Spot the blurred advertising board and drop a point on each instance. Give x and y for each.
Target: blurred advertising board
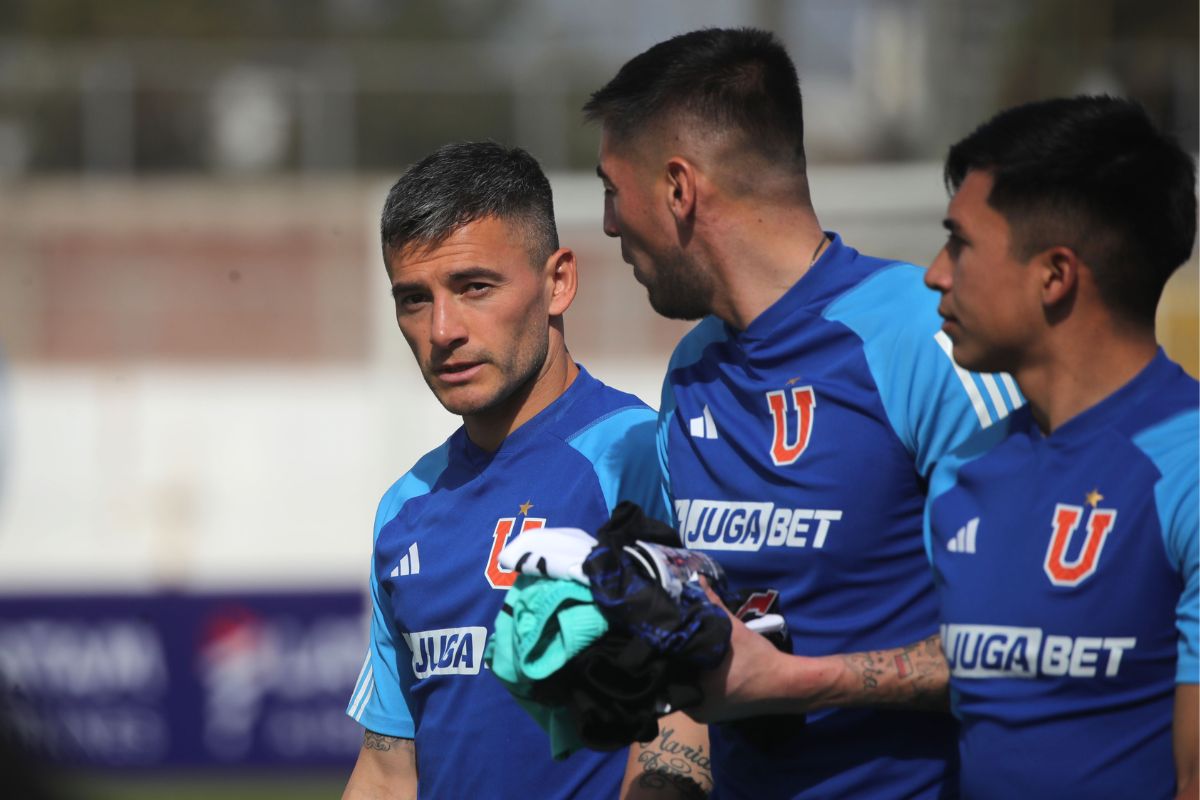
(184, 679)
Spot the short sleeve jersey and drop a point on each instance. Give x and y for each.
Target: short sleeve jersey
(1066, 568)
(796, 453)
(437, 587)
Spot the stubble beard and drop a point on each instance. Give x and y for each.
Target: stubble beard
(678, 290)
(518, 374)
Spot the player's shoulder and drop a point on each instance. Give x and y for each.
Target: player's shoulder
(1164, 419)
(609, 439)
(887, 306)
(1170, 442)
(418, 481)
(601, 416)
(983, 443)
(1167, 436)
(607, 398)
(889, 295)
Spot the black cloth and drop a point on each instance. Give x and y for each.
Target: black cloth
(656, 647)
(613, 690)
(691, 632)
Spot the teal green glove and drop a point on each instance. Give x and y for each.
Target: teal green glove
(544, 623)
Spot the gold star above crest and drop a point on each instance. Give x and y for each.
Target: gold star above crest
(525, 507)
(1094, 497)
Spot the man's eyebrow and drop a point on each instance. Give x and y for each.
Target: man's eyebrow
(404, 287)
(600, 173)
(475, 273)
(464, 275)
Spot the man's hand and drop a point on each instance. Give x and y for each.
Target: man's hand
(749, 681)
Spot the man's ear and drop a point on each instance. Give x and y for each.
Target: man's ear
(681, 188)
(1059, 273)
(562, 279)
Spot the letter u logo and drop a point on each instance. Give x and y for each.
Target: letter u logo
(1066, 519)
(498, 576)
(785, 449)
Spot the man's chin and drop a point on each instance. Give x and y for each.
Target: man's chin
(671, 307)
(976, 360)
(463, 403)
(459, 400)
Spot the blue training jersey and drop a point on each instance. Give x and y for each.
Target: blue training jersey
(796, 452)
(1066, 567)
(437, 587)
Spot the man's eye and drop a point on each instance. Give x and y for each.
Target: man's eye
(410, 302)
(954, 244)
(477, 288)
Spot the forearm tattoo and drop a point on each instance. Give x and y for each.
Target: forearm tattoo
(377, 741)
(668, 763)
(914, 676)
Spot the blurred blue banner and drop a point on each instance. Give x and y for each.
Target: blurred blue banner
(184, 680)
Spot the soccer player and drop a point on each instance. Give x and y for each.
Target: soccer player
(1064, 540)
(480, 285)
(799, 423)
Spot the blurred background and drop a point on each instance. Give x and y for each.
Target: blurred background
(202, 390)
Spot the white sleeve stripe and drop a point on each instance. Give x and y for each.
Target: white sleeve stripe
(363, 692)
(976, 398)
(363, 671)
(366, 701)
(993, 390)
(1011, 387)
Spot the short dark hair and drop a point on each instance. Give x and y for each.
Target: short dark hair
(1092, 173)
(467, 181)
(720, 79)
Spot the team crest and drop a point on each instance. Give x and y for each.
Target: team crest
(791, 428)
(498, 576)
(1067, 518)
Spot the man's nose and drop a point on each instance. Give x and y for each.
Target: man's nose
(610, 220)
(448, 327)
(937, 276)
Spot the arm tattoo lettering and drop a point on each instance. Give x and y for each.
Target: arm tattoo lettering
(668, 763)
(377, 741)
(914, 676)
(660, 780)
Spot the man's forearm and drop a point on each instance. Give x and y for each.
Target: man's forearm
(756, 679)
(1186, 740)
(915, 676)
(676, 765)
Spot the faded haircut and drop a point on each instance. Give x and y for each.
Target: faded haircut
(464, 182)
(725, 80)
(1095, 175)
